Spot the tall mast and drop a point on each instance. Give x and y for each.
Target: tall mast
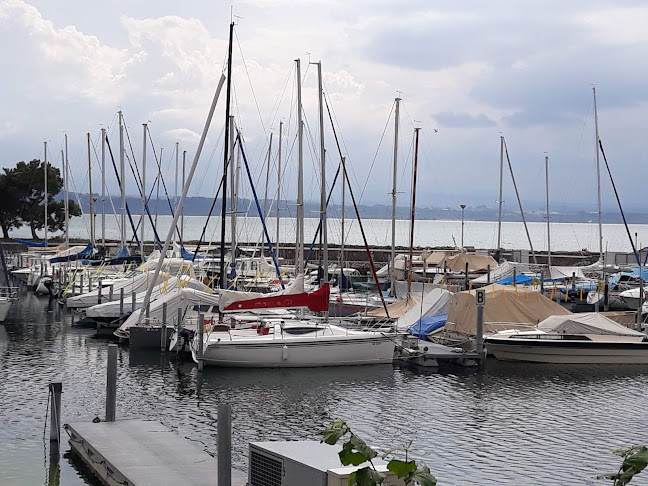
(299, 247)
(548, 225)
(175, 186)
(394, 193)
(92, 228)
(226, 156)
(342, 223)
(411, 246)
(279, 184)
(598, 175)
(67, 196)
(499, 214)
(65, 208)
(143, 223)
(45, 184)
(233, 192)
(323, 191)
(103, 187)
(184, 167)
(122, 176)
(157, 187)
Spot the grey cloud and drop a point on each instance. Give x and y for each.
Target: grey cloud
(463, 120)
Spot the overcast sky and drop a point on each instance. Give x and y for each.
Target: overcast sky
(466, 71)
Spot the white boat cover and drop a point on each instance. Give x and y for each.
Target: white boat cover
(504, 270)
(561, 273)
(435, 302)
(111, 309)
(418, 288)
(585, 323)
(174, 266)
(137, 283)
(228, 297)
(507, 307)
(174, 300)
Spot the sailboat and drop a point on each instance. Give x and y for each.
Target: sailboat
(278, 342)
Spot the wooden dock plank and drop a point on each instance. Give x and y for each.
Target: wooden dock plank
(145, 452)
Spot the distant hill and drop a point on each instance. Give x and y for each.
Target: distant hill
(199, 206)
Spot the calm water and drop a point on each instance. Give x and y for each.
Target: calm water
(510, 423)
(480, 234)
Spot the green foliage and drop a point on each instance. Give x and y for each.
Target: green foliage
(635, 460)
(355, 451)
(22, 197)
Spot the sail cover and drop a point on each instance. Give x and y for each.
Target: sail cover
(585, 323)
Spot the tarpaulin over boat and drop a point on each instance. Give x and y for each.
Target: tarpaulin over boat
(476, 262)
(73, 253)
(418, 288)
(174, 266)
(506, 308)
(585, 323)
(42, 244)
(519, 279)
(170, 285)
(427, 324)
(396, 309)
(561, 273)
(505, 269)
(435, 302)
(182, 299)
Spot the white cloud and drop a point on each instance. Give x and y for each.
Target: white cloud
(616, 26)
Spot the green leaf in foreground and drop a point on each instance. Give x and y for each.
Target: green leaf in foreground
(400, 468)
(635, 460)
(334, 432)
(366, 476)
(423, 477)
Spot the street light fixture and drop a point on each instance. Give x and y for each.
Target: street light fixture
(463, 207)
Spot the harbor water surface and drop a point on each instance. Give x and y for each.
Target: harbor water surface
(507, 423)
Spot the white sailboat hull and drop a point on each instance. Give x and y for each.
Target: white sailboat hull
(269, 352)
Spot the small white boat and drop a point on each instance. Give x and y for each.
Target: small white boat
(587, 338)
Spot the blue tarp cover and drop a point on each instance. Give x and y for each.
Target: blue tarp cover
(520, 279)
(427, 324)
(42, 244)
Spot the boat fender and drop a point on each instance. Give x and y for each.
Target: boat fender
(284, 353)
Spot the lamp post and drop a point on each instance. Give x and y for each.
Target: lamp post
(463, 207)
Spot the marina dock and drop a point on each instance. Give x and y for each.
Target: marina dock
(144, 452)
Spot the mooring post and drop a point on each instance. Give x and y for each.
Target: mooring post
(133, 294)
(163, 338)
(514, 275)
(55, 390)
(148, 312)
(573, 286)
(488, 275)
(111, 383)
(466, 277)
(224, 444)
(81, 285)
(479, 341)
(111, 292)
(99, 293)
(89, 283)
(121, 303)
(179, 321)
(200, 327)
(542, 281)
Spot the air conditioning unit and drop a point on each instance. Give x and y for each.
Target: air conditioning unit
(302, 463)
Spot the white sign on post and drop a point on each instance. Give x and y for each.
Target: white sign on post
(480, 296)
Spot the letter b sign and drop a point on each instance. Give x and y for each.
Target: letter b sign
(480, 296)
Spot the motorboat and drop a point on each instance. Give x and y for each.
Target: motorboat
(587, 338)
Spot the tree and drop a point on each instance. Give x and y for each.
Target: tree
(26, 187)
(9, 205)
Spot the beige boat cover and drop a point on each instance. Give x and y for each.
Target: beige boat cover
(436, 257)
(507, 307)
(476, 263)
(585, 323)
(396, 309)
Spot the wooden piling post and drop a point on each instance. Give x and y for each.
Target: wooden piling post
(111, 292)
(179, 321)
(99, 293)
(224, 444)
(488, 275)
(55, 390)
(111, 383)
(163, 338)
(81, 285)
(121, 303)
(133, 294)
(200, 328)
